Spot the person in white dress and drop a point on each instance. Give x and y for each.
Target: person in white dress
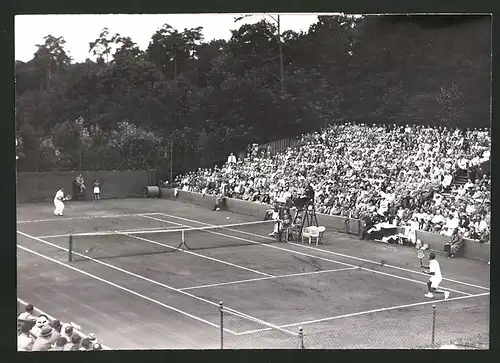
(97, 190)
(435, 279)
(59, 202)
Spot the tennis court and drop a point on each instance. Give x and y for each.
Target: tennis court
(339, 294)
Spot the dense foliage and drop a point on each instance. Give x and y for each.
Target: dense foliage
(202, 100)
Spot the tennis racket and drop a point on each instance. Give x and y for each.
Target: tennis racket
(420, 255)
(68, 197)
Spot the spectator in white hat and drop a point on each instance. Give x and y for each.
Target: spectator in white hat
(41, 322)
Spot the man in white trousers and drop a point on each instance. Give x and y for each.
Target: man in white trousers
(59, 202)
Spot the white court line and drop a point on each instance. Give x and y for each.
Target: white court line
(267, 278)
(122, 288)
(384, 309)
(109, 231)
(41, 312)
(327, 251)
(154, 282)
(313, 256)
(391, 266)
(302, 323)
(61, 219)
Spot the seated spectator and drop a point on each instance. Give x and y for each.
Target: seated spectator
(97, 346)
(56, 330)
(471, 233)
(80, 182)
(456, 242)
(25, 340)
(59, 344)
(67, 332)
(44, 340)
(28, 314)
(85, 345)
(74, 343)
(41, 322)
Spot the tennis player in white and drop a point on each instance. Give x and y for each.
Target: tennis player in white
(59, 202)
(435, 279)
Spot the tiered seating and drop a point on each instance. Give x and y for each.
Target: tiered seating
(393, 174)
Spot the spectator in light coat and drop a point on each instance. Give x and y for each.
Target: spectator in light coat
(25, 340)
(28, 314)
(44, 340)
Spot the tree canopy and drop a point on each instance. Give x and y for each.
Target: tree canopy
(196, 101)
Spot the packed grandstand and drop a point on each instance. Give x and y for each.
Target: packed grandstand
(435, 179)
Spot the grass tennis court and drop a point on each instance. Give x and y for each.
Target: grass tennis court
(339, 294)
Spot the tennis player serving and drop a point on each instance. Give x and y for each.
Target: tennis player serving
(436, 277)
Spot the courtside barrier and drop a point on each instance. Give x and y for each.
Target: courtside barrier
(41, 187)
(471, 249)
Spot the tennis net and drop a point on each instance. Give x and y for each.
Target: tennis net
(112, 244)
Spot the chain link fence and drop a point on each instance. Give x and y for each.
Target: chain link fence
(461, 324)
(239, 331)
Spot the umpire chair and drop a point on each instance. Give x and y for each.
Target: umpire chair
(306, 211)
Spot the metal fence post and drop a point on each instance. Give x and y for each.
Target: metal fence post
(221, 325)
(301, 338)
(70, 249)
(433, 324)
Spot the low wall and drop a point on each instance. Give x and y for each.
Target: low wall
(40, 187)
(471, 249)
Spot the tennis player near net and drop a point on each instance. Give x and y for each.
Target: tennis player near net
(435, 279)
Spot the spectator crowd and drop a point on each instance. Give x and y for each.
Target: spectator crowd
(39, 333)
(403, 175)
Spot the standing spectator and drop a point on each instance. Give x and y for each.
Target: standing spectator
(28, 314)
(231, 159)
(44, 340)
(97, 190)
(25, 340)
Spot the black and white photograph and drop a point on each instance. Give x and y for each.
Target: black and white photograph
(229, 181)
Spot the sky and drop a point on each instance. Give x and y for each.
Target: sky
(79, 30)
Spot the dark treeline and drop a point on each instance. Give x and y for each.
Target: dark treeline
(203, 100)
